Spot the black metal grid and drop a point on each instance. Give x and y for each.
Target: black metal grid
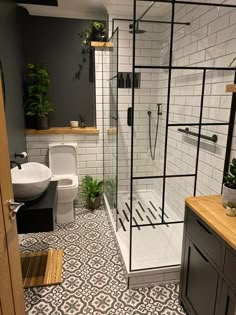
(200, 124)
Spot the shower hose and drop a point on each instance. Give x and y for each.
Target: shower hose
(153, 149)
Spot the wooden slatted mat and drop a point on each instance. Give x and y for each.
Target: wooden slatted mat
(42, 268)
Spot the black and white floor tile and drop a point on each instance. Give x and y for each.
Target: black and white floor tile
(93, 277)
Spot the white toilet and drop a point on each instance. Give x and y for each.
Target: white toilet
(63, 164)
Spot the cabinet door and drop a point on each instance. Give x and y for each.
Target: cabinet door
(227, 301)
(200, 281)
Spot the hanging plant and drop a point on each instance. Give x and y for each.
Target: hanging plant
(96, 31)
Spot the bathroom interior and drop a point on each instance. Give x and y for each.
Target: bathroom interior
(159, 128)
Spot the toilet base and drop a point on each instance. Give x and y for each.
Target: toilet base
(65, 212)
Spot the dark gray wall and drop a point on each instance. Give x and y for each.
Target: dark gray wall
(11, 57)
(55, 43)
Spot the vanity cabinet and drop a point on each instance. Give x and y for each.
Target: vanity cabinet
(208, 269)
(39, 215)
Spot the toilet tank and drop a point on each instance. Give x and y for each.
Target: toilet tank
(63, 158)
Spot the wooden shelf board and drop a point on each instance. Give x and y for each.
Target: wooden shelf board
(111, 131)
(102, 44)
(231, 88)
(63, 130)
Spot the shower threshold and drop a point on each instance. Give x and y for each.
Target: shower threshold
(156, 249)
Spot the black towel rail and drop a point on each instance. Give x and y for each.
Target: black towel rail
(213, 138)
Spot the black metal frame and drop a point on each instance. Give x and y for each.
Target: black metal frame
(199, 124)
(116, 119)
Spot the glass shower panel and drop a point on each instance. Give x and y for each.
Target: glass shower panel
(217, 102)
(110, 103)
(152, 38)
(211, 161)
(196, 44)
(150, 123)
(176, 190)
(153, 244)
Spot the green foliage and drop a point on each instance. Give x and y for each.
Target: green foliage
(36, 89)
(91, 188)
(95, 32)
(230, 204)
(230, 177)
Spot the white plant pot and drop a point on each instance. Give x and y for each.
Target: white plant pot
(231, 212)
(74, 124)
(228, 195)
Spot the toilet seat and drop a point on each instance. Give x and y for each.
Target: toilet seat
(73, 181)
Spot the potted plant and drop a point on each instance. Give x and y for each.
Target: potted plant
(95, 32)
(91, 189)
(229, 187)
(36, 103)
(230, 209)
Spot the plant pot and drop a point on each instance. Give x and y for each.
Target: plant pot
(30, 122)
(231, 212)
(42, 123)
(228, 195)
(93, 205)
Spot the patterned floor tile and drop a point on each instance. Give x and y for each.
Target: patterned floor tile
(93, 277)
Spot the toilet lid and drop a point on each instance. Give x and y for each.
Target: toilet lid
(62, 159)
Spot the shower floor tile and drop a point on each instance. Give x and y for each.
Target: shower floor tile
(93, 280)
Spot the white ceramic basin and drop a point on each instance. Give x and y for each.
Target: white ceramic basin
(30, 181)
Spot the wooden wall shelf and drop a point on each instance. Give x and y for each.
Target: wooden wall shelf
(111, 131)
(63, 130)
(231, 88)
(102, 44)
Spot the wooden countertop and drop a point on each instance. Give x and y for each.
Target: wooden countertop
(63, 130)
(211, 211)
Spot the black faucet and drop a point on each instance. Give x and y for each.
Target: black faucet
(15, 163)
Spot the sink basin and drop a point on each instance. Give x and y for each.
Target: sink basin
(30, 181)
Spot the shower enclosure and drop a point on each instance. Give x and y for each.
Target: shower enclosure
(167, 137)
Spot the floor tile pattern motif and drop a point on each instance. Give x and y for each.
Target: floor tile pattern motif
(93, 277)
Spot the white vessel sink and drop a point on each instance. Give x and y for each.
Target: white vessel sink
(30, 181)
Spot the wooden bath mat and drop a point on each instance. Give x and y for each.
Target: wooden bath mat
(42, 268)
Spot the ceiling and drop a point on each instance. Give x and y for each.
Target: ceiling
(81, 9)
(98, 9)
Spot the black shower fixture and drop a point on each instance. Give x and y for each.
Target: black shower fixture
(137, 29)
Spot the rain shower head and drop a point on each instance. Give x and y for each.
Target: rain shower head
(137, 29)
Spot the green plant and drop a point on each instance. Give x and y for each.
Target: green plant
(230, 205)
(95, 32)
(91, 188)
(36, 89)
(230, 177)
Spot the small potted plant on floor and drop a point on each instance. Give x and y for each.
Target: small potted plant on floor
(36, 104)
(229, 187)
(91, 189)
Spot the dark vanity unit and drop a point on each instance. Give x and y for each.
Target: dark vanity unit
(208, 271)
(39, 215)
